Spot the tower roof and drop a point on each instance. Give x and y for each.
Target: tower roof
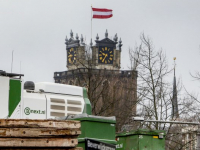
(72, 42)
(106, 41)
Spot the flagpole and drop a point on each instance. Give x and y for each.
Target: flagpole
(91, 21)
(12, 61)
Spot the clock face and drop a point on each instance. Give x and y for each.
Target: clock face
(106, 55)
(71, 56)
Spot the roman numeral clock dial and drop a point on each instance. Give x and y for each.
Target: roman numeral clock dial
(105, 55)
(71, 56)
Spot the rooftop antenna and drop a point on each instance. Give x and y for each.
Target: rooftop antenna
(20, 67)
(12, 61)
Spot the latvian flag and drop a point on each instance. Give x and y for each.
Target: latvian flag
(100, 13)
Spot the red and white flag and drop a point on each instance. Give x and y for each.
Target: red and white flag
(100, 13)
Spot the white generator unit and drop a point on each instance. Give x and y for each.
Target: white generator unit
(40, 100)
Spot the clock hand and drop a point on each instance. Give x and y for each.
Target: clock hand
(105, 57)
(70, 61)
(102, 53)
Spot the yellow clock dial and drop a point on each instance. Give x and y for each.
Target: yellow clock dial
(106, 55)
(71, 56)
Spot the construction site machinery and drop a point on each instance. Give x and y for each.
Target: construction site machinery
(42, 100)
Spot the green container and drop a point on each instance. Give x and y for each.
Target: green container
(141, 140)
(97, 128)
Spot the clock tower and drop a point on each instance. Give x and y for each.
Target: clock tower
(75, 50)
(107, 53)
(97, 67)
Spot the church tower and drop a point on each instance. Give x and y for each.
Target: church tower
(111, 91)
(105, 54)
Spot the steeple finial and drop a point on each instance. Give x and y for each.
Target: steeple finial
(115, 38)
(77, 36)
(97, 37)
(91, 43)
(106, 34)
(81, 38)
(120, 42)
(71, 34)
(66, 40)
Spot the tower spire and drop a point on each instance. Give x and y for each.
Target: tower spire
(175, 113)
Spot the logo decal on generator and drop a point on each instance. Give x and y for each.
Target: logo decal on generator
(28, 111)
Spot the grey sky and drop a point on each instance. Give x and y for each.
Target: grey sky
(36, 30)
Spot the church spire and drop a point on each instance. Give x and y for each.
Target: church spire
(175, 113)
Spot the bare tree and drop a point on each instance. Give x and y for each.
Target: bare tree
(154, 92)
(153, 89)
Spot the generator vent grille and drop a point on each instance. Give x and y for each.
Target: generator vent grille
(74, 107)
(57, 107)
(62, 107)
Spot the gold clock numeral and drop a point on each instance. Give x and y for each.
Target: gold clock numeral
(100, 54)
(70, 61)
(100, 58)
(111, 55)
(110, 58)
(110, 51)
(105, 48)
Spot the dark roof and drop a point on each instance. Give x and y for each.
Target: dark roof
(3, 73)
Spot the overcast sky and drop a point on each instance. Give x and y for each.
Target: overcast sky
(36, 31)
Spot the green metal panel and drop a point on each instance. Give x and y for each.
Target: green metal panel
(149, 142)
(14, 95)
(121, 143)
(128, 143)
(87, 108)
(99, 129)
(141, 140)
